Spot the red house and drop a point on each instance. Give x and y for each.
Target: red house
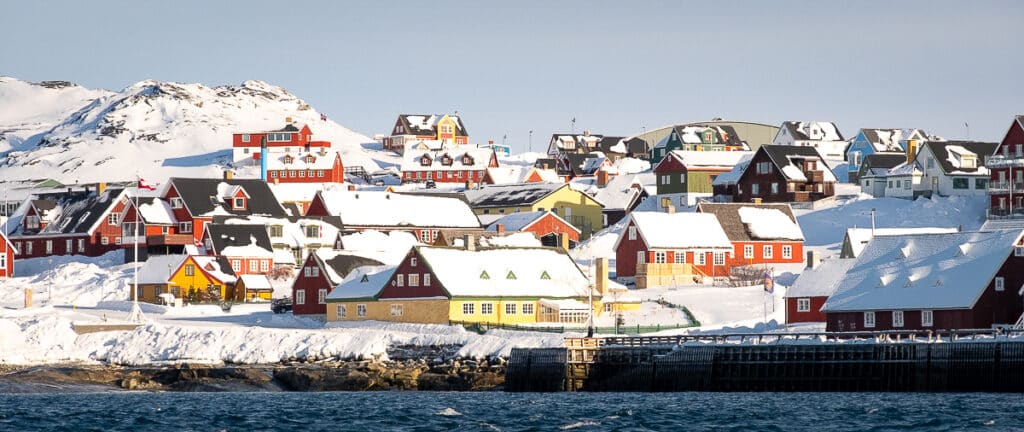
(7, 253)
(1006, 168)
(961, 280)
(419, 127)
(195, 201)
(77, 222)
(293, 137)
(660, 249)
(784, 173)
(760, 234)
(323, 270)
(547, 226)
(247, 247)
(440, 162)
(158, 229)
(319, 167)
(814, 286)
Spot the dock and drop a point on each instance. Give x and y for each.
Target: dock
(960, 361)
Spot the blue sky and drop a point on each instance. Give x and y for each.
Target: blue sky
(512, 67)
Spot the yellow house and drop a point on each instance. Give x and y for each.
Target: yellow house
(203, 278)
(579, 209)
(155, 274)
(496, 286)
(253, 287)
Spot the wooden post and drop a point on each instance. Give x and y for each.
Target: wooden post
(28, 298)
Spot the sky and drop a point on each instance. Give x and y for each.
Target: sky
(617, 68)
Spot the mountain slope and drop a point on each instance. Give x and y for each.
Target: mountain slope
(158, 129)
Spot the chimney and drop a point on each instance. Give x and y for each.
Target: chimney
(602, 178)
(101, 187)
(490, 142)
(813, 259)
(288, 120)
(468, 242)
(670, 209)
(351, 188)
(228, 174)
(323, 151)
(501, 228)
(601, 276)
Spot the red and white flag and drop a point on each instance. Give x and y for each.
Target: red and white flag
(144, 185)
(323, 117)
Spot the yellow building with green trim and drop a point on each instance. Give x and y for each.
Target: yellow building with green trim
(202, 276)
(579, 209)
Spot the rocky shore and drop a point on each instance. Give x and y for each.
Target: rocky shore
(406, 370)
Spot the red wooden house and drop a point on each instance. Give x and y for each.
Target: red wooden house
(813, 287)
(304, 167)
(760, 234)
(247, 247)
(547, 226)
(421, 215)
(1006, 169)
(320, 273)
(293, 137)
(77, 222)
(434, 160)
(660, 249)
(158, 232)
(961, 280)
(783, 173)
(7, 253)
(195, 201)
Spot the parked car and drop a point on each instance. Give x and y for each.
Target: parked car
(281, 305)
(431, 184)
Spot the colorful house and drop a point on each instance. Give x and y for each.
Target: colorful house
(305, 167)
(822, 136)
(195, 201)
(253, 287)
(158, 228)
(497, 286)
(562, 144)
(813, 287)
(7, 253)
(203, 278)
(155, 277)
(659, 249)
(421, 215)
(446, 163)
(761, 235)
(685, 176)
(418, 127)
(579, 209)
(874, 172)
(1006, 177)
(546, 226)
(322, 271)
(785, 173)
(872, 141)
(954, 168)
(76, 222)
(624, 193)
(698, 137)
(246, 246)
(962, 280)
(293, 137)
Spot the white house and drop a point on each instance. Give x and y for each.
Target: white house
(954, 168)
(824, 136)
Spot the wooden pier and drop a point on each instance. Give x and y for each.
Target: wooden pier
(982, 360)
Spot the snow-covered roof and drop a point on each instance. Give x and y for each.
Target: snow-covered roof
(293, 231)
(724, 160)
(256, 282)
(158, 268)
(564, 304)
(339, 263)
(923, 271)
(820, 281)
(216, 267)
(299, 192)
(623, 190)
(426, 124)
(859, 237)
(301, 161)
(362, 283)
(521, 194)
(813, 130)
(680, 230)
(156, 212)
(441, 156)
(731, 177)
(385, 209)
(789, 160)
(522, 220)
(769, 223)
(525, 272)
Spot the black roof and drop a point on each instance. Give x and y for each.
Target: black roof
(728, 215)
(780, 154)
(548, 163)
(79, 210)
(940, 150)
(574, 163)
(795, 132)
(343, 264)
(883, 160)
(227, 235)
(520, 194)
(201, 196)
(414, 129)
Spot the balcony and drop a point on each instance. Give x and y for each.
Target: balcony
(169, 240)
(1004, 187)
(1017, 213)
(1001, 161)
(816, 176)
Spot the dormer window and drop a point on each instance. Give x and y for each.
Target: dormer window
(467, 159)
(969, 162)
(446, 160)
(312, 231)
(446, 129)
(310, 159)
(238, 203)
(175, 202)
(287, 159)
(425, 160)
(708, 137)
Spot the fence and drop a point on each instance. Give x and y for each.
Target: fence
(482, 327)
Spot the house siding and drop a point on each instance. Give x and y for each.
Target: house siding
(311, 286)
(625, 253)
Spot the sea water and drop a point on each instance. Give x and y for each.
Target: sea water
(432, 411)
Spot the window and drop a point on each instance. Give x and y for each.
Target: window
(775, 188)
(659, 257)
(32, 222)
(117, 241)
(28, 248)
(396, 310)
(679, 257)
(931, 162)
(719, 258)
(468, 309)
(426, 279)
(104, 240)
(360, 310)
(277, 231)
(176, 202)
(321, 296)
(342, 311)
(112, 219)
(787, 252)
(855, 158)
(803, 305)
(414, 280)
(238, 203)
(307, 271)
(682, 178)
(245, 137)
(67, 246)
(300, 297)
(319, 173)
(632, 233)
(906, 184)
(236, 265)
(412, 261)
(981, 183)
(748, 251)
(926, 318)
(640, 259)
(184, 227)
(701, 258)
(424, 236)
(1018, 251)
(665, 179)
(897, 318)
(312, 231)
(755, 189)
(401, 280)
(254, 266)
(869, 319)
(486, 308)
(527, 308)
(764, 168)
(190, 270)
(291, 173)
(889, 185)
(768, 251)
(959, 183)
(1000, 283)
(302, 173)
(510, 308)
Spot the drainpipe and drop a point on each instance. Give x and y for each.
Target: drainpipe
(263, 158)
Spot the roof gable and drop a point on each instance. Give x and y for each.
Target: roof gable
(206, 197)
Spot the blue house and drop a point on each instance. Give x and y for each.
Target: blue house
(871, 141)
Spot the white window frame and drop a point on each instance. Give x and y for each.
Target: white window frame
(321, 296)
(631, 233)
(803, 305)
(238, 203)
(679, 257)
(176, 202)
(426, 279)
(768, 251)
(1000, 283)
(660, 257)
(184, 227)
(112, 219)
(342, 311)
(755, 189)
(869, 319)
(265, 266)
(640, 257)
(927, 318)
(748, 251)
(486, 308)
(400, 279)
(414, 279)
(787, 251)
(700, 258)
(718, 258)
(300, 297)
(397, 310)
(1018, 251)
(469, 309)
(361, 310)
(897, 318)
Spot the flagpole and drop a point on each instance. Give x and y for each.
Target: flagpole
(136, 314)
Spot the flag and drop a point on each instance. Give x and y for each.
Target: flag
(769, 283)
(323, 117)
(144, 185)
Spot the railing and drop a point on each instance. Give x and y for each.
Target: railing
(1005, 187)
(1016, 213)
(170, 239)
(1000, 161)
(815, 176)
(482, 327)
(893, 336)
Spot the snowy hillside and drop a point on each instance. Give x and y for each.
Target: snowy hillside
(66, 132)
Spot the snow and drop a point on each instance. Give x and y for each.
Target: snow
(516, 221)
(765, 223)
(250, 250)
(212, 267)
(859, 237)
(506, 272)
(157, 212)
(793, 173)
(255, 282)
(733, 176)
(680, 230)
(822, 280)
(522, 239)
(385, 209)
(388, 248)
(158, 268)
(622, 190)
(363, 282)
(711, 159)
